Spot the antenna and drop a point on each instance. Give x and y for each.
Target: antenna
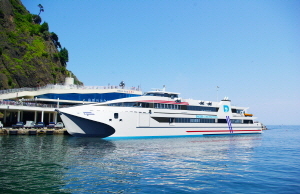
(157, 89)
(217, 93)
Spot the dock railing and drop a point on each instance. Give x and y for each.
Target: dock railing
(31, 104)
(66, 87)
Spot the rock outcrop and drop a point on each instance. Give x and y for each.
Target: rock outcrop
(30, 56)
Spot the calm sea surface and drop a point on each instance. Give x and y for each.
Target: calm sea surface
(257, 163)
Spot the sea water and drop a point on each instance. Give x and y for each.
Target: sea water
(249, 163)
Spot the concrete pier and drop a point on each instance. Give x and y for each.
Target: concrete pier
(10, 131)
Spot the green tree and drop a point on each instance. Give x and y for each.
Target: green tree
(64, 56)
(41, 9)
(37, 18)
(58, 45)
(54, 39)
(44, 27)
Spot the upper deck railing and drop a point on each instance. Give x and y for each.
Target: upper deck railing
(32, 104)
(66, 87)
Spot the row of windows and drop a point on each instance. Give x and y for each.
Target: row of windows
(197, 120)
(162, 95)
(165, 106)
(231, 120)
(237, 110)
(130, 104)
(191, 120)
(235, 121)
(202, 108)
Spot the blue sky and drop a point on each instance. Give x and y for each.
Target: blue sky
(250, 49)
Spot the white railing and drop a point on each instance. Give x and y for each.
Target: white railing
(31, 104)
(66, 87)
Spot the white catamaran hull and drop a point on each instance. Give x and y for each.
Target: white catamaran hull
(129, 123)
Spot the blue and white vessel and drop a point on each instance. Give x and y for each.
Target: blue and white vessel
(158, 113)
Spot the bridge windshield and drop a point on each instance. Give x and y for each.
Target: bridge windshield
(161, 94)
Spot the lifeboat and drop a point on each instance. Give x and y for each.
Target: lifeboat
(248, 115)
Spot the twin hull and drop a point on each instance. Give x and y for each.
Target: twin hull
(112, 122)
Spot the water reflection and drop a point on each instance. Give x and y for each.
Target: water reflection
(49, 164)
(158, 164)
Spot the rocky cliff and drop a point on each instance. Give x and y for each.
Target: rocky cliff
(30, 55)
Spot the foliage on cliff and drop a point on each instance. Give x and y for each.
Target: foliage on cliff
(30, 55)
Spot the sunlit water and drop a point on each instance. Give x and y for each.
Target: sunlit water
(256, 163)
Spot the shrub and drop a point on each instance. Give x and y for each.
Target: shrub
(10, 82)
(46, 35)
(1, 14)
(63, 70)
(56, 56)
(34, 30)
(45, 55)
(29, 18)
(36, 19)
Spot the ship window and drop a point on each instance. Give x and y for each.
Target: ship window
(236, 120)
(115, 104)
(116, 115)
(248, 121)
(161, 119)
(145, 105)
(148, 94)
(239, 111)
(166, 106)
(222, 121)
(129, 104)
(202, 108)
(172, 120)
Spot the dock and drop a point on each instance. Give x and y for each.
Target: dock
(10, 131)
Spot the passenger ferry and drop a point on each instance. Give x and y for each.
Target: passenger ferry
(158, 113)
